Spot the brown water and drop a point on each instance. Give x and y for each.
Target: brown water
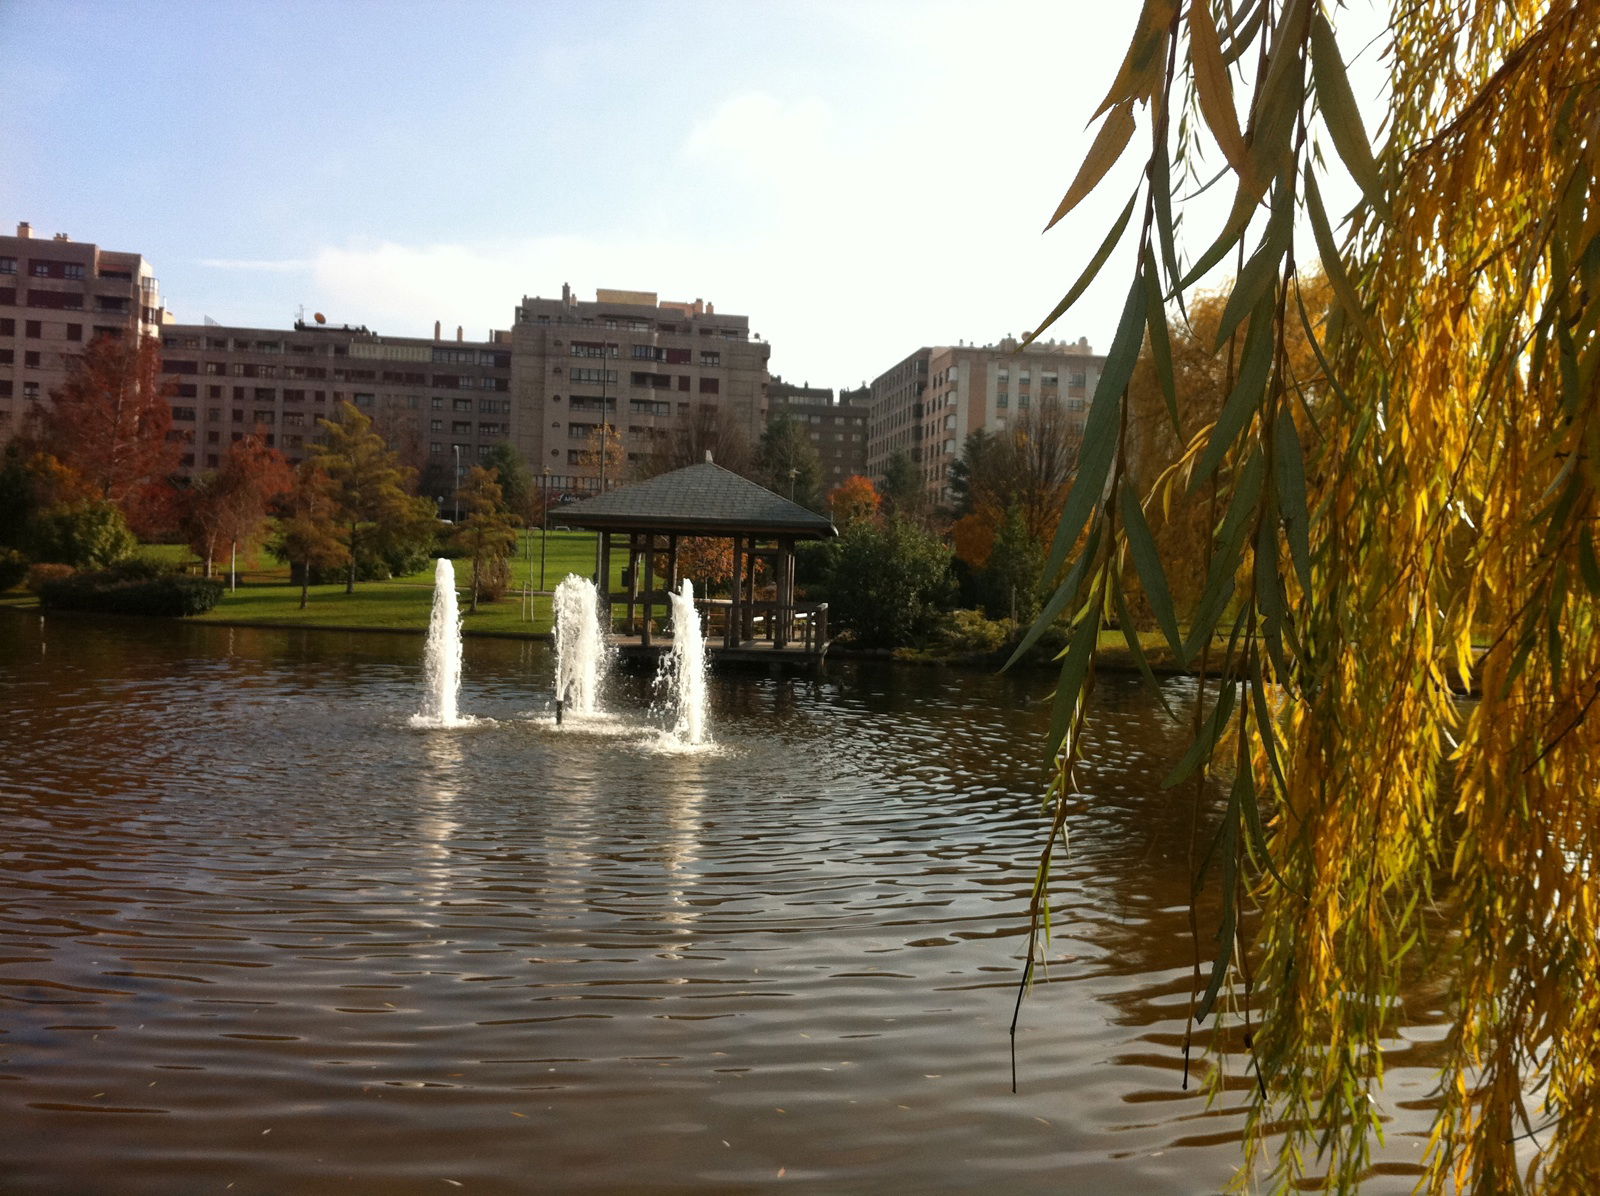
(258, 935)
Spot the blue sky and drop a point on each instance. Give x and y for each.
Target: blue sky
(860, 179)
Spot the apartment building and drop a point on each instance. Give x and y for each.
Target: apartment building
(928, 404)
(56, 295)
(441, 404)
(630, 361)
(836, 426)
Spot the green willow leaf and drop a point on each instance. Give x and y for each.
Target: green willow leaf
(1074, 671)
(1103, 153)
(1342, 115)
(1101, 429)
(1261, 270)
(1160, 341)
(1065, 593)
(1588, 564)
(1089, 273)
(1147, 562)
(1249, 390)
(1227, 555)
(1333, 260)
(1200, 750)
(1289, 476)
(1130, 635)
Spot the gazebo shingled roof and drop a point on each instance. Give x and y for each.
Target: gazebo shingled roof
(698, 500)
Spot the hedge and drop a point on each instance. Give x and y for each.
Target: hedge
(117, 593)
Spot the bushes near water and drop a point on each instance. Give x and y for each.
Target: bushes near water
(138, 588)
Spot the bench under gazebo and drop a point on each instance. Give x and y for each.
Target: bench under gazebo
(654, 517)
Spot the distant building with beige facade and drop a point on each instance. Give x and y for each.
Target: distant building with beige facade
(836, 426)
(643, 366)
(929, 403)
(438, 402)
(56, 295)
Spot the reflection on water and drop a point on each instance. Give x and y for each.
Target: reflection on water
(254, 930)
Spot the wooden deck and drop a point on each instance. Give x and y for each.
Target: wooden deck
(757, 654)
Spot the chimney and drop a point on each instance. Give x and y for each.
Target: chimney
(62, 237)
(24, 230)
(710, 310)
(699, 307)
(709, 461)
(566, 294)
(437, 328)
(459, 337)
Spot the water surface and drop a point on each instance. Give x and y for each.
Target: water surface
(258, 934)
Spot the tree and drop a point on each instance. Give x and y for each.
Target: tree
(691, 437)
(109, 420)
(381, 524)
(886, 582)
(86, 534)
(229, 506)
(853, 500)
(488, 533)
(589, 457)
(787, 462)
(518, 487)
(1431, 520)
(903, 492)
(308, 535)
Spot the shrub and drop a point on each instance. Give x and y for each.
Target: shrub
(41, 574)
(13, 568)
(887, 583)
(134, 590)
(967, 631)
(83, 534)
(494, 578)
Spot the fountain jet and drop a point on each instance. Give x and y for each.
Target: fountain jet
(580, 650)
(683, 671)
(442, 656)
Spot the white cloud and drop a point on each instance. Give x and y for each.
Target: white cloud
(286, 266)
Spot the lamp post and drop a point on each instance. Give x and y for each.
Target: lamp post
(457, 448)
(544, 529)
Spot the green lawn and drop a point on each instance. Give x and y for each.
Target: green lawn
(402, 604)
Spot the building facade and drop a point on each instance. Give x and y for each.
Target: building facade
(633, 363)
(836, 426)
(928, 404)
(56, 295)
(441, 404)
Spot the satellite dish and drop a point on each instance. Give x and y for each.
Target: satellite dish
(319, 317)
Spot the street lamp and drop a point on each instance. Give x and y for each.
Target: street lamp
(544, 530)
(457, 448)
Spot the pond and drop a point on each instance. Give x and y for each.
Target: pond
(257, 934)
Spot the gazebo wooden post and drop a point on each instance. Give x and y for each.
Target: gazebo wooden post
(603, 584)
(649, 581)
(672, 562)
(633, 576)
(730, 638)
(749, 629)
(783, 628)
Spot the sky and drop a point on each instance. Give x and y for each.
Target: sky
(860, 179)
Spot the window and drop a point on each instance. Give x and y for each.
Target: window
(710, 386)
(1002, 400)
(30, 390)
(184, 413)
(294, 419)
(580, 374)
(435, 449)
(7, 357)
(710, 358)
(238, 416)
(30, 359)
(1076, 378)
(33, 328)
(9, 327)
(461, 427)
(436, 425)
(74, 332)
(677, 357)
(436, 403)
(460, 404)
(188, 390)
(264, 417)
(213, 436)
(40, 270)
(8, 265)
(72, 270)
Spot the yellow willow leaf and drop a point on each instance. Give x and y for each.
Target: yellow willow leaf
(1108, 145)
(1214, 87)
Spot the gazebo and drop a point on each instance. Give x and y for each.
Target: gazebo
(709, 501)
